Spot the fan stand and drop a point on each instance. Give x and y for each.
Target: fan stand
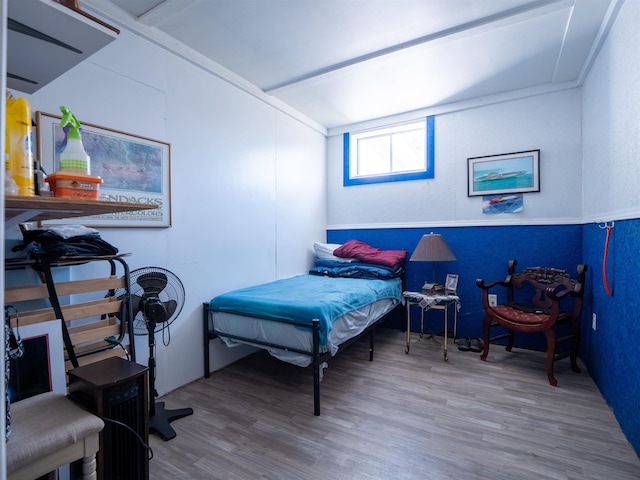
(159, 417)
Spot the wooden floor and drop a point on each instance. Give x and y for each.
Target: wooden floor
(399, 417)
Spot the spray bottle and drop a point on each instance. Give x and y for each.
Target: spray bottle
(10, 186)
(18, 155)
(74, 158)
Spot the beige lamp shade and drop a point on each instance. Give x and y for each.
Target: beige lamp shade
(432, 248)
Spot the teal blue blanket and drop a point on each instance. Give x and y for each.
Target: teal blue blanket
(307, 297)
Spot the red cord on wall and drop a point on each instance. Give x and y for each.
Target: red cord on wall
(604, 261)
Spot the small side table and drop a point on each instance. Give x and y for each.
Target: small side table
(432, 301)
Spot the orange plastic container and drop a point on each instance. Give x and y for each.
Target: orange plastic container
(82, 186)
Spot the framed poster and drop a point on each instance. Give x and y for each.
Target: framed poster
(133, 169)
(41, 368)
(506, 173)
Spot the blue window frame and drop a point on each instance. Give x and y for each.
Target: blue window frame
(390, 154)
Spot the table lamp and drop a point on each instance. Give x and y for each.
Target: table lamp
(432, 248)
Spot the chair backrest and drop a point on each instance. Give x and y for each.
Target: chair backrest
(535, 284)
(93, 316)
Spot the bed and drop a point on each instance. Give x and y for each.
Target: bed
(307, 319)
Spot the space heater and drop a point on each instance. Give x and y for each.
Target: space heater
(116, 390)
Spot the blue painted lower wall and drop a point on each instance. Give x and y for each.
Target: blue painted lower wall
(609, 353)
(481, 252)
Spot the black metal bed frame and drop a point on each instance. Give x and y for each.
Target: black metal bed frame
(317, 357)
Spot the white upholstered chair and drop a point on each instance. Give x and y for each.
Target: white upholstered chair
(49, 431)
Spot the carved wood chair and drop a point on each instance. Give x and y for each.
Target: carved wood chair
(538, 299)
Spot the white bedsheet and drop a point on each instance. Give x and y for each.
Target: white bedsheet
(287, 335)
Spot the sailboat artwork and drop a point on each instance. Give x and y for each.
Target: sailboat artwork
(503, 174)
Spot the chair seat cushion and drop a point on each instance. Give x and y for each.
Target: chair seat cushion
(515, 315)
(44, 424)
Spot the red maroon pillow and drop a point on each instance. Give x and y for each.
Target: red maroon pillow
(368, 254)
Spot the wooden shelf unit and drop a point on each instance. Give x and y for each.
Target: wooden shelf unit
(31, 209)
(87, 338)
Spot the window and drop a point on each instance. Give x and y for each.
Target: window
(390, 154)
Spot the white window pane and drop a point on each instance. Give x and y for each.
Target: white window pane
(409, 151)
(391, 150)
(374, 155)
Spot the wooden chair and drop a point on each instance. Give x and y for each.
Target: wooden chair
(538, 299)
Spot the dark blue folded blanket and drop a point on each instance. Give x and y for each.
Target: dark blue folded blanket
(331, 268)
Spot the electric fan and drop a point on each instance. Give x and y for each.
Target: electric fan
(157, 297)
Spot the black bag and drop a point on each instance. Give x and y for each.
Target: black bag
(55, 246)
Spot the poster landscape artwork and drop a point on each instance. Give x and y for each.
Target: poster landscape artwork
(122, 164)
(133, 169)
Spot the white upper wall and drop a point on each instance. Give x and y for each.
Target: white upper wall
(548, 122)
(611, 125)
(248, 182)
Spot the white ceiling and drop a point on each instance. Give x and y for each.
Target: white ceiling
(345, 61)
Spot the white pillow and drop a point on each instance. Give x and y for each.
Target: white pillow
(324, 251)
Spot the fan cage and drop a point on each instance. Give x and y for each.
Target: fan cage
(155, 282)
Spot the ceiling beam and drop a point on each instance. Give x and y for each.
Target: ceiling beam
(164, 10)
(507, 17)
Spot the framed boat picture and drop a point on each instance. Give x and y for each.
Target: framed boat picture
(517, 172)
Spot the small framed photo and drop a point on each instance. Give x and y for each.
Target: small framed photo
(451, 283)
(506, 173)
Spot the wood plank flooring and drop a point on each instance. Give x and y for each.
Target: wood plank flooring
(402, 416)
